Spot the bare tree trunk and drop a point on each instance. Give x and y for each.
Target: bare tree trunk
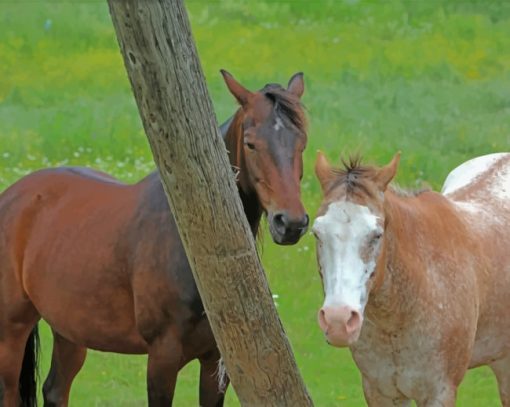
(167, 80)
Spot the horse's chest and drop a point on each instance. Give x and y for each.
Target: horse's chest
(396, 363)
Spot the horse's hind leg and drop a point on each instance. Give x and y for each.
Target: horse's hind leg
(501, 369)
(66, 361)
(210, 393)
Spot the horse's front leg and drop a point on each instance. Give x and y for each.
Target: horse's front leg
(444, 396)
(375, 398)
(164, 361)
(213, 382)
(501, 369)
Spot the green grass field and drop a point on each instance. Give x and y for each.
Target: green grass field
(429, 78)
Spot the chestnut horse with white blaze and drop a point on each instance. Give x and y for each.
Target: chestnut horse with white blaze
(103, 264)
(417, 284)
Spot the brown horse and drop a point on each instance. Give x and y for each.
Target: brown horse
(103, 264)
(429, 273)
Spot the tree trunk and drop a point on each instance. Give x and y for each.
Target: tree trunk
(167, 80)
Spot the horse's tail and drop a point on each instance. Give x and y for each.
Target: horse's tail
(29, 371)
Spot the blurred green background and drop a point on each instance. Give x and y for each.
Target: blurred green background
(429, 78)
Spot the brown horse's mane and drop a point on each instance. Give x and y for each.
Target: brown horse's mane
(355, 176)
(287, 106)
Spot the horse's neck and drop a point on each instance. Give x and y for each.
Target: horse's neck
(234, 144)
(153, 196)
(416, 228)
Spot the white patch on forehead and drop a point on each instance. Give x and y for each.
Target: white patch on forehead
(468, 172)
(341, 213)
(343, 232)
(278, 124)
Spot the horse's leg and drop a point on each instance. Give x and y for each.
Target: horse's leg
(501, 369)
(383, 401)
(164, 361)
(66, 361)
(443, 397)
(14, 364)
(375, 398)
(210, 393)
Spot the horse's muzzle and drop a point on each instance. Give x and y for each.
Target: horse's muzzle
(341, 324)
(287, 230)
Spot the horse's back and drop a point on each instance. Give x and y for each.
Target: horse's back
(85, 172)
(57, 183)
(484, 179)
(49, 201)
(479, 189)
(50, 192)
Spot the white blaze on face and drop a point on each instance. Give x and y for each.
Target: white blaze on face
(343, 233)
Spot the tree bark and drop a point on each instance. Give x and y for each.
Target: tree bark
(169, 86)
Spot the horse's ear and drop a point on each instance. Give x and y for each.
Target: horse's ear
(296, 84)
(239, 91)
(323, 171)
(387, 173)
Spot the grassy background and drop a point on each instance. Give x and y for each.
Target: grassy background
(429, 78)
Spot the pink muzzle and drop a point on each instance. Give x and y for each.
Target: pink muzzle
(341, 324)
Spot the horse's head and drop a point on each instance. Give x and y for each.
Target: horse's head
(266, 141)
(349, 230)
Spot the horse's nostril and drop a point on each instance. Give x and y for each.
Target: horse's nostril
(280, 220)
(353, 320)
(322, 315)
(322, 321)
(290, 225)
(306, 220)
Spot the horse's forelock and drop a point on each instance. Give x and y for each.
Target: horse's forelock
(286, 105)
(354, 175)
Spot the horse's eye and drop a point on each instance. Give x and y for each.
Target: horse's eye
(376, 238)
(251, 146)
